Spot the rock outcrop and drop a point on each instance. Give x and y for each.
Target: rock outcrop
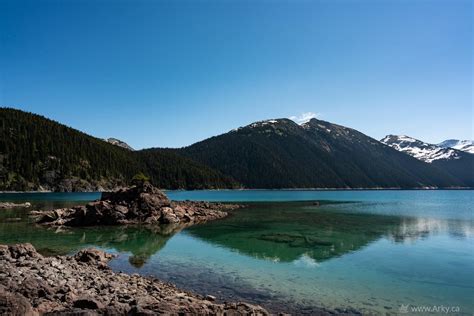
(143, 204)
(12, 205)
(31, 284)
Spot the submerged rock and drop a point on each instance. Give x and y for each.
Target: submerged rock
(31, 284)
(139, 204)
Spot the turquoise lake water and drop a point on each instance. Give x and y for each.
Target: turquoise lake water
(372, 251)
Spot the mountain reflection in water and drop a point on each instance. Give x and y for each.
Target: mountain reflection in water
(286, 232)
(280, 232)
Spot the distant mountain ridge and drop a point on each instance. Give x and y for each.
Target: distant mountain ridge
(420, 150)
(463, 145)
(458, 163)
(279, 153)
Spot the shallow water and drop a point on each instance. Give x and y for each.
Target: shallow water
(369, 250)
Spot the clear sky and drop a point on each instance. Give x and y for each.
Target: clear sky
(169, 73)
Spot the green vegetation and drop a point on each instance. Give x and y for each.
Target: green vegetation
(36, 152)
(140, 178)
(174, 171)
(283, 154)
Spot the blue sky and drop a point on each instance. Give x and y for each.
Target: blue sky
(170, 73)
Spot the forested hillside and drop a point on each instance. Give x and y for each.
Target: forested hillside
(318, 154)
(173, 171)
(38, 153)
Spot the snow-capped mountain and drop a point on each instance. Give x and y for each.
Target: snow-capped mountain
(420, 150)
(118, 142)
(458, 163)
(464, 145)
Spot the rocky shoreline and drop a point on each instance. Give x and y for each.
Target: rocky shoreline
(83, 284)
(142, 204)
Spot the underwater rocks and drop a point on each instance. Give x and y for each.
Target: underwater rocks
(83, 284)
(12, 205)
(143, 204)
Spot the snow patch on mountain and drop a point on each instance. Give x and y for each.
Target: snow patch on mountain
(463, 145)
(271, 123)
(418, 149)
(263, 123)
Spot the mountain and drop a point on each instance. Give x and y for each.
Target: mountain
(282, 154)
(420, 150)
(458, 163)
(118, 142)
(40, 154)
(463, 145)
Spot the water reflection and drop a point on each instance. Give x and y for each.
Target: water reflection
(412, 229)
(141, 242)
(298, 232)
(302, 233)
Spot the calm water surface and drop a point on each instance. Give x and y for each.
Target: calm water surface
(368, 250)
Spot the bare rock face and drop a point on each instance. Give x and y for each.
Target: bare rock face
(139, 204)
(31, 284)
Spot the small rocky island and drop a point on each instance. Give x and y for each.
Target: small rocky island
(141, 204)
(83, 284)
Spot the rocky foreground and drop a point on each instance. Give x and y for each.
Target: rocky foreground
(31, 284)
(142, 204)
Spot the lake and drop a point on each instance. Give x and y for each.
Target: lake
(373, 251)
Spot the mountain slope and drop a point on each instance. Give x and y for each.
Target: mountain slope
(463, 145)
(173, 171)
(38, 153)
(262, 155)
(282, 154)
(458, 163)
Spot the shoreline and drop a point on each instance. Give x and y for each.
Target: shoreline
(283, 189)
(31, 284)
(84, 284)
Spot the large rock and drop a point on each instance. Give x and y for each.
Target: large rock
(138, 204)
